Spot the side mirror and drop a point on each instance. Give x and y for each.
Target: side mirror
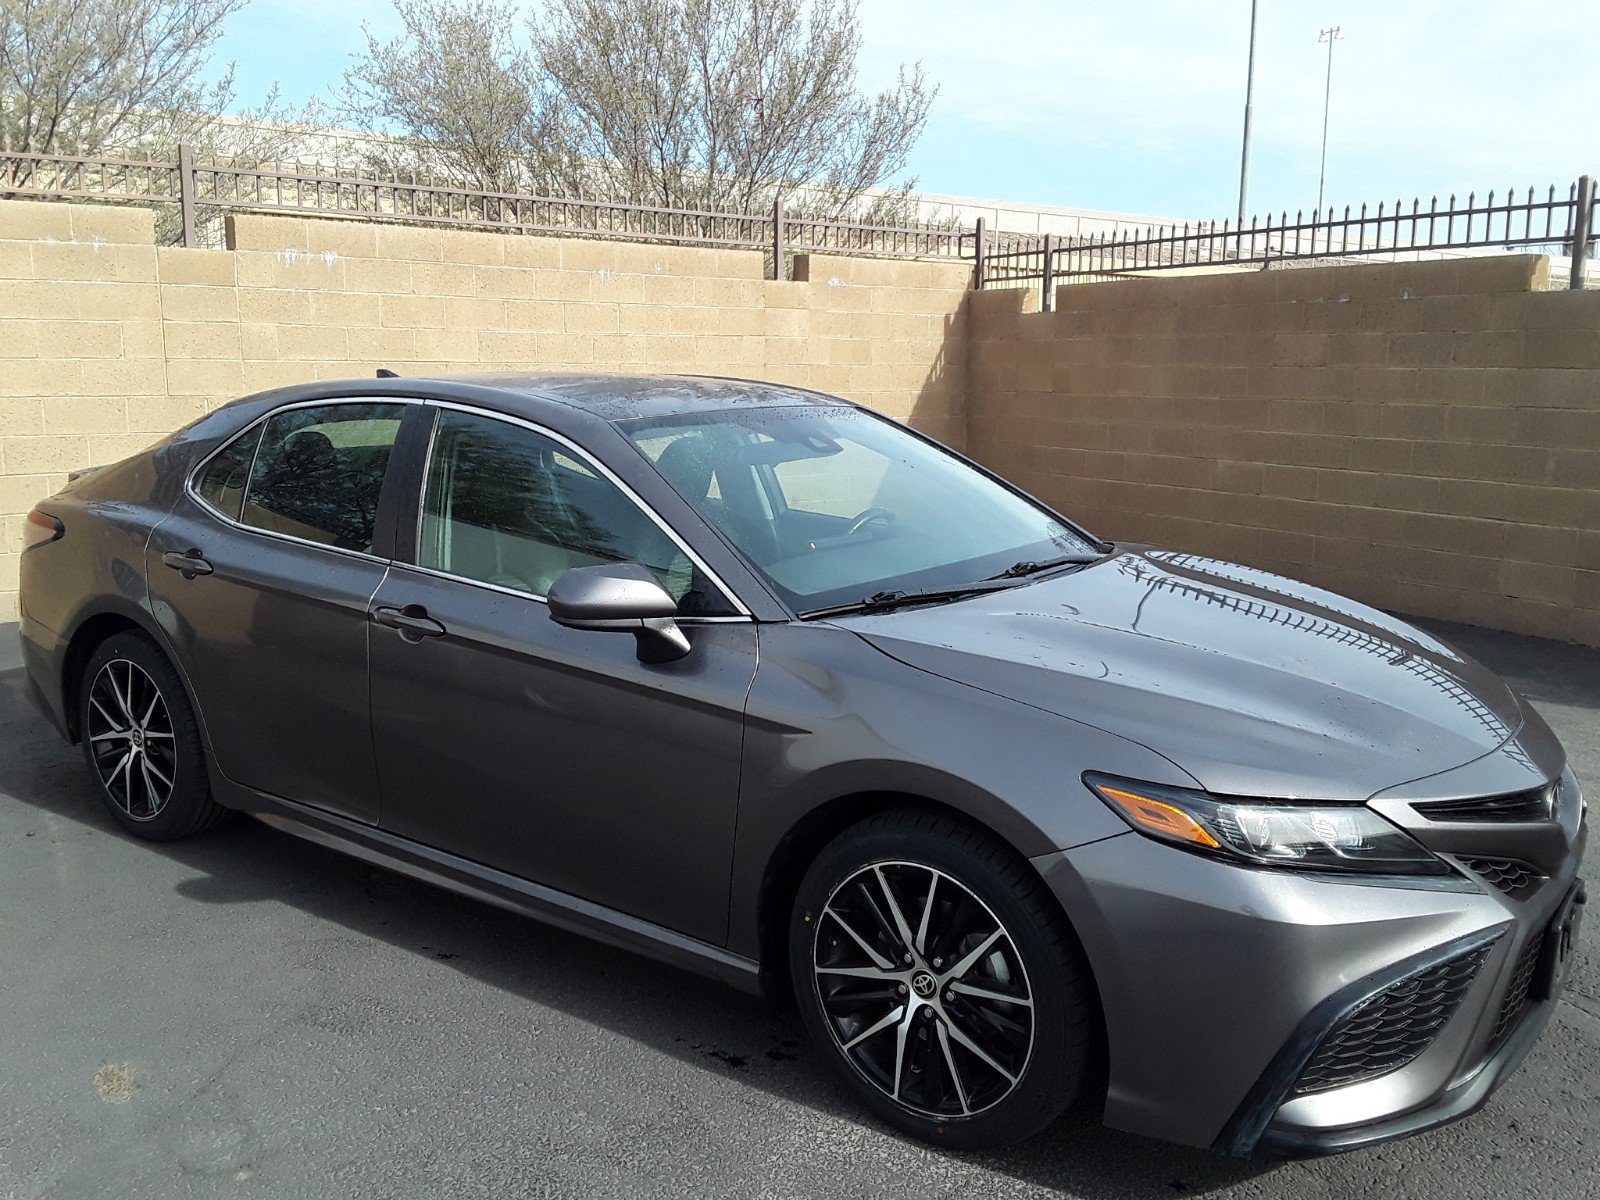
(622, 597)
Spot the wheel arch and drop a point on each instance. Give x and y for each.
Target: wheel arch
(805, 839)
(92, 628)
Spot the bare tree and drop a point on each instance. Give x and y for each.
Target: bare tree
(77, 76)
(721, 103)
(126, 77)
(455, 93)
(713, 104)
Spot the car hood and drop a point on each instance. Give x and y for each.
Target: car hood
(1252, 683)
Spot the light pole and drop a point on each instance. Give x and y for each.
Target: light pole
(1249, 91)
(1336, 34)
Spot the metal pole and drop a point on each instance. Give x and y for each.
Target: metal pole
(1249, 92)
(186, 191)
(1047, 302)
(1582, 230)
(777, 237)
(1330, 36)
(979, 239)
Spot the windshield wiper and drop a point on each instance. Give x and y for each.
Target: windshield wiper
(1029, 567)
(884, 601)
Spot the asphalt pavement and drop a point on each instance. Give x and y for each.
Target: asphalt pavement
(247, 1015)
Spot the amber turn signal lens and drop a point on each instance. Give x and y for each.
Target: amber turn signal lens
(40, 528)
(1161, 819)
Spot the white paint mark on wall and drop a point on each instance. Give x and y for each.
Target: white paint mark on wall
(293, 254)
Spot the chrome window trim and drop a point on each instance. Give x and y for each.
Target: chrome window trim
(211, 509)
(521, 595)
(605, 472)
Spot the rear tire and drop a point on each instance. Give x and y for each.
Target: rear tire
(142, 741)
(936, 972)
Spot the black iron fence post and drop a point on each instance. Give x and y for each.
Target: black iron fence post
(1582, 230)
(186, 191)
(979, 237)
(1047, 274)
(777, 237)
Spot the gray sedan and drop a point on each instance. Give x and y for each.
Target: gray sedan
(760, 683)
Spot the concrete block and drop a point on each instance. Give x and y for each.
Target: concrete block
(210, 268)
(202, 340)
(65, 415)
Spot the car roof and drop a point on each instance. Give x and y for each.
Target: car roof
(621, 397)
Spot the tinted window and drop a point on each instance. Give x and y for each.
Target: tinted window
(833, 505)
(509, 506)
(221, 484)
(319, 471)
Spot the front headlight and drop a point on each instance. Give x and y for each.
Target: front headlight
(1269, 833)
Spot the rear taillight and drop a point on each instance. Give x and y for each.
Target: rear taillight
(40, 528)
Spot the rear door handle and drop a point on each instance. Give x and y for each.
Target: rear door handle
(187, 563)
(412, 621)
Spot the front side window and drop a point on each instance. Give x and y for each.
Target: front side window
(509, 506)
(833, 505)
(319, 472)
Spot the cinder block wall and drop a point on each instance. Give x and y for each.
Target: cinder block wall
(1424, 437)
(107, 342)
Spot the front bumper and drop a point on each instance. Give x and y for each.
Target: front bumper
(1462, 1100)
(1219, 983)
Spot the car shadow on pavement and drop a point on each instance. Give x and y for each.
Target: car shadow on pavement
(757, 1042)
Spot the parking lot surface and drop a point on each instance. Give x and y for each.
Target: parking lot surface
(248, 1014)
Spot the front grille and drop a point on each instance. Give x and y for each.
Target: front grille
(1516, 1001)
(1536, 804)
(1516, 879)
(1388, 1030)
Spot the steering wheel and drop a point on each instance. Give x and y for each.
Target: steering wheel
(866, 517)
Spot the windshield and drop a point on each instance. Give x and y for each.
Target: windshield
(833, 505)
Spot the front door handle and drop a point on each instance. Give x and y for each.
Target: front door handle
(412, 621)
(187, 563)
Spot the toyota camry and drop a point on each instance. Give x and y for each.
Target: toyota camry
(764, 684)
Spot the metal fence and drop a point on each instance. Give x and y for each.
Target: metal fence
(1551, 222)
(199, 191)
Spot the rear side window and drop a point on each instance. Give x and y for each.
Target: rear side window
(221, 484)
(319, 472)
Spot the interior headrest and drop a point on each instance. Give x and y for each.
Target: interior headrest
(688, 466)
(308, 450)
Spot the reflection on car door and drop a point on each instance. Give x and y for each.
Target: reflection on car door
(262, 579)
(550, 753)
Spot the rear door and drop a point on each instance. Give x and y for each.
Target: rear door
(262, 577)
(550, 753)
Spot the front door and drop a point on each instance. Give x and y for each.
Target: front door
(550, 753)
(262, 577)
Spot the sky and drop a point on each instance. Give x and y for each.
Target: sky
(1137, 106)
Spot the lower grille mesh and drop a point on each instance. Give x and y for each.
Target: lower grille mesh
(1515, 879)
(1390, 1029)
(1516, 1001)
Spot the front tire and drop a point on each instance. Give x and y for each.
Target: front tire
(935, 971)
(142, 741)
